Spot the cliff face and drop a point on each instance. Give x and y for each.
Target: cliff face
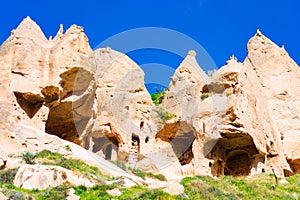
(242, 120)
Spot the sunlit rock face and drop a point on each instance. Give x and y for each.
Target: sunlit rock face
(241, 120)
(48, 82)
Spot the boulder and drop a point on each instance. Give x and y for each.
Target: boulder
(114, 192)
(42, 177)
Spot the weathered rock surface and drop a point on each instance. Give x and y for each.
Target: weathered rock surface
(42, 177)
(279, 75)
(242, 120)
(47, 82)
(182, 96)
(2, 196)
(114, 192)
(123, 106)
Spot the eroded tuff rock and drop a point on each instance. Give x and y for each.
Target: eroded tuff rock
(43, 79)
(182, 96)
(42, 177)
(279, 75)
(123, 107)
(242, 120)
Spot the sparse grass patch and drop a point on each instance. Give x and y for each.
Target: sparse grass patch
(68, 148)
(163, 115)
(205, 95)
(138, 172)
(120, 164)
(228, 94)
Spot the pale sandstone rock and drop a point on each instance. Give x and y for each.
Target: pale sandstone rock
(114, 192)
(42, 177)
(184, 91)
(279, 75)
(174, 188)
(39, 75)
(123, 109)
(243, 120)
(2, 196)
(71, 195)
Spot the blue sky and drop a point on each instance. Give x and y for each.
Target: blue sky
(223, 28)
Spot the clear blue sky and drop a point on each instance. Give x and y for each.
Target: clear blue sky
(221, 27)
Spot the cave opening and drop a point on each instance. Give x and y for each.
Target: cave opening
(29, 102)
(106, 146)
(233, 155)
(135, 142)
(181, 136)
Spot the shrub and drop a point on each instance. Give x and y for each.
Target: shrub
(29, 157)
(157, 98)
(49, 155)
(157, 176)
(8, 176)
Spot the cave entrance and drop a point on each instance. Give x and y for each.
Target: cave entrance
(233, 155)
(181, 136)
(107, 146)
(238, 164)
(135, 143)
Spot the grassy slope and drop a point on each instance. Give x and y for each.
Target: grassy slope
(200, 187)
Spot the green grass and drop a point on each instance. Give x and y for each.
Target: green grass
(157, 98)
(49, 155)
(259, 187)
(199, 187)
(139, 172)
(56, 159)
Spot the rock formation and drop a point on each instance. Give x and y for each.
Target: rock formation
(242, 120)
(42, 177)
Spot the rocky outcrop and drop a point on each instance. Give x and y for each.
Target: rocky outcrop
(47, 82)
(42, 177)
(123, 110)
(182, 96)
(241, 120)
(279, 75)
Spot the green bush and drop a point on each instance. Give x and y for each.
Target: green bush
(160, 177)
(29, 157)
(157, 98)
(8, 176)
(49, 155)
